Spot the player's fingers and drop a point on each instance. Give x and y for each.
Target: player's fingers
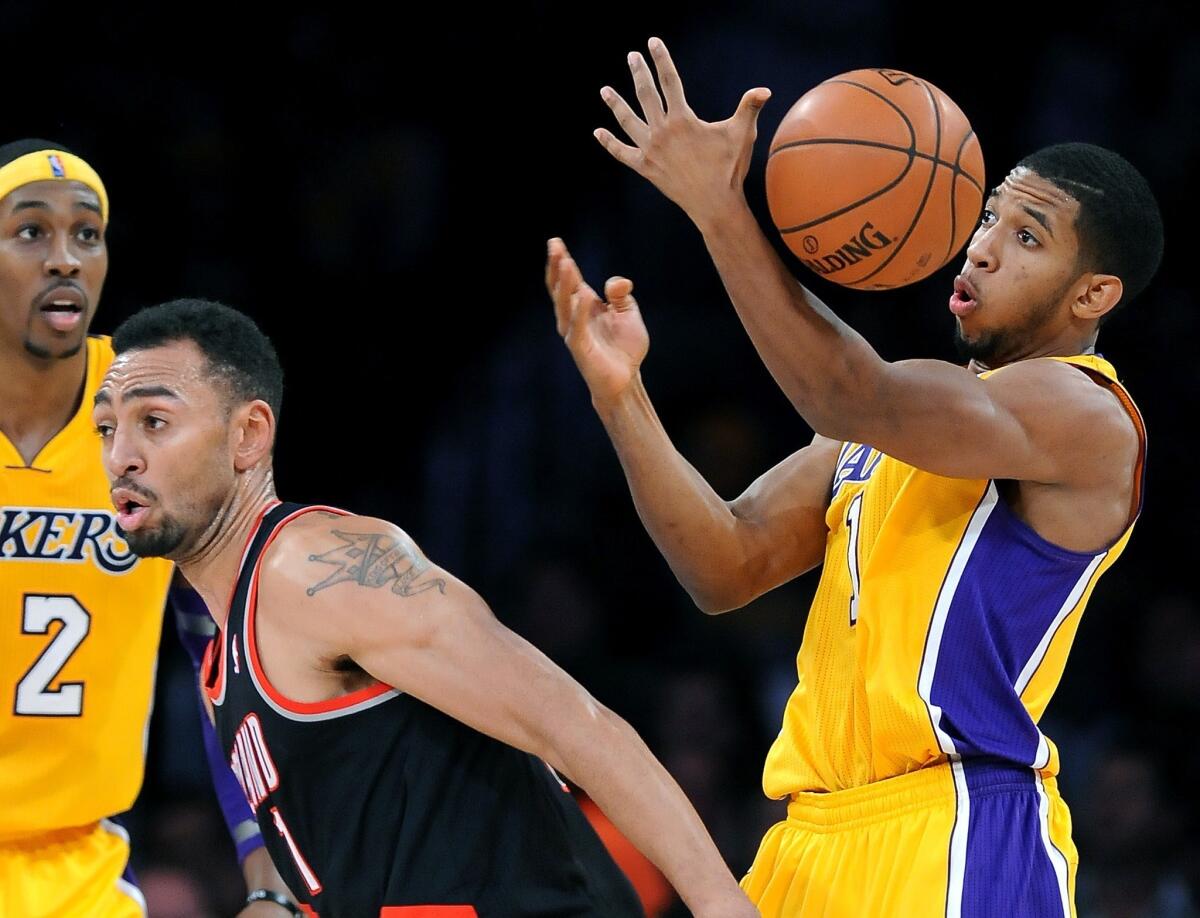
(668, 76)
(554, 253)
(618, 291)
(568, 281)
(634, 127)
(647, 92)
(582, 302)
(621, 152)
(752, 103)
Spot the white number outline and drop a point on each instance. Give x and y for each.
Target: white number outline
(854, 527)
(33, 696)
(310, 878)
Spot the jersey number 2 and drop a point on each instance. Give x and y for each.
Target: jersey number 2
(35, 698)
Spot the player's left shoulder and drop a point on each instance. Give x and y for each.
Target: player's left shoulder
(1069, 410)
(1063, 391)
(319, 530)
(320, 550)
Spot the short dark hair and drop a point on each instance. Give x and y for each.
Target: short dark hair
(236, 349)
(1119, 224)
(19, 148)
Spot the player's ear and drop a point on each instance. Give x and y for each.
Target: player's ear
(1100, 295)
(254, 434)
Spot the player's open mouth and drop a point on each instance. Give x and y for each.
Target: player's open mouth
(130, 511)
(964, 298)
(61, 313)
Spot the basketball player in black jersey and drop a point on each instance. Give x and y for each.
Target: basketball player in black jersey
(373, 708)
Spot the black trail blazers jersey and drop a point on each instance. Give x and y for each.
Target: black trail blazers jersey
(375, 804)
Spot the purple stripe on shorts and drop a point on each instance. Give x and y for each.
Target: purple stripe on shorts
(1008, 871)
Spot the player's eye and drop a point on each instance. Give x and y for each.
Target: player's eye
(154, 423)
(1027, 238)
(104, 430)
(29, 231)
(89, 235)
(987, 219)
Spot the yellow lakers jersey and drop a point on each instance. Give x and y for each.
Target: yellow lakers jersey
(939, 630)
(80, 618)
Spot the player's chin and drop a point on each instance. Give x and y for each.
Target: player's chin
(149, 541)
(58, 348)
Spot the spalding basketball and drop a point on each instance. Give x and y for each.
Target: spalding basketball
(875, 179)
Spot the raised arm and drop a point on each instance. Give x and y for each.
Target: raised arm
(929, 413)
(434, 638)
(724, 553)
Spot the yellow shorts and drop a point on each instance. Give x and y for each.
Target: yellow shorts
(960, 840)
(70, 873)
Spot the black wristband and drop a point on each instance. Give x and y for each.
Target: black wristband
(269, 895)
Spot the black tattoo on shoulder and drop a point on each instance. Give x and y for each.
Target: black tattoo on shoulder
(374, 559)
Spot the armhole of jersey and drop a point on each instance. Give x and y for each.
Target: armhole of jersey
(1139, 425)
(212, 669)
(273, 695)
(212, 665)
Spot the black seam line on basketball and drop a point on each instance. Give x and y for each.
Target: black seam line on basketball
(953, 195)
(937, 145)
(911, 151)
(955, 166)
(834, 141)
(849, 207)
(912, 131)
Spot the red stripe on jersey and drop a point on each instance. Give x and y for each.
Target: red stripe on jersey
(214, 683)
(212, 667)
(288, 704)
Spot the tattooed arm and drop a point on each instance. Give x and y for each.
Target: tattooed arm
(360, 589)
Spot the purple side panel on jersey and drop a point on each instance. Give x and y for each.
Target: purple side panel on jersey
(1008, 869)
(191, 616)
(1012, 588)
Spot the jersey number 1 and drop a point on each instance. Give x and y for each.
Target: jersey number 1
(35, 698)
(853, 525)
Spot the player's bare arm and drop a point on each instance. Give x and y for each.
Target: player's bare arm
(358, 589)
(1040, 421)
(724, 553)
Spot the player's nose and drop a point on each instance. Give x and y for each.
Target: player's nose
(60, 260)
(122, 457)
(981, 250)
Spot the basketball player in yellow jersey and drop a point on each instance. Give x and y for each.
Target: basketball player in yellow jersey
(80, 614)
(962, 514)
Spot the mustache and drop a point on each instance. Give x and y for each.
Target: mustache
(60, 284)
(130, 485)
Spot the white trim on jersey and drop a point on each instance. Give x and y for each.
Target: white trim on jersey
(124, 885)
(958, 839)
(933, 643)
(1068, 606)
(321, 715)
(1058, 860)
(941, 611)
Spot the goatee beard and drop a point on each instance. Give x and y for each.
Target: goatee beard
(162, 542)
(44, 353)
(984, 349)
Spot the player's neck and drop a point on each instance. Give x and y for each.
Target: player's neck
(213, 567)
(1064, 347)
(38, 396)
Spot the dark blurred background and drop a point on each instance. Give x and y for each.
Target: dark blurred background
(376, 189)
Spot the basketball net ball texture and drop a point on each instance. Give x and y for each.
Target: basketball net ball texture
(875, 179)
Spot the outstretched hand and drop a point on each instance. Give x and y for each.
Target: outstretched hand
(606, 337)
(700, 165)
